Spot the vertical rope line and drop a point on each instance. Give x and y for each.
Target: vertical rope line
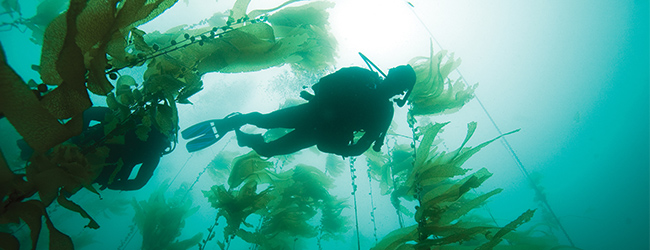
(129, 237)
(188, 190)
(372, 205)
(255, 246)
(180, 170)
(204, 169)
(400, 219)
(354, 194)
(319, 242)
(504, 141)
(132, 232)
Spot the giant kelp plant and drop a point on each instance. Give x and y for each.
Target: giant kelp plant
(420, 173)
(161, 219)
(93, 41)
(428, 175)
(287, 205)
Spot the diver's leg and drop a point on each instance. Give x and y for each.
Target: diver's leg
(287, 144)
(293, 117)
(94, 114)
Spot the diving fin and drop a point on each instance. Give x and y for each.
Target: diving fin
(202, 142)
(204, 133)
(208, 132)
(198, 129)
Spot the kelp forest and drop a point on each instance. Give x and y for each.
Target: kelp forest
(90, 49)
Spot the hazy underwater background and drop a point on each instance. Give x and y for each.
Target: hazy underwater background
(572, 75)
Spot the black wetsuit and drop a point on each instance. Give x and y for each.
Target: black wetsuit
(133, 152)
(344, 103)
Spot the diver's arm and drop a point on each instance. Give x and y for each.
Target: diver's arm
(375, 133)
(379, 142)
(306, 95)
(383, 127)
(363, 144)
(144, 175)
(345, 149)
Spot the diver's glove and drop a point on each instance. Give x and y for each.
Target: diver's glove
(377, 146)
(306, 95)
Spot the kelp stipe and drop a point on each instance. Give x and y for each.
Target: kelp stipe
(372, 205)
(353, 178)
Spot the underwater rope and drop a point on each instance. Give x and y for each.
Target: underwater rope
(202, 172)
(257, 229)
(372, 204)
(211, 233)
(129, 237)
(504, 141)
(354, 194)
(133, 231)
(319, 242)
(180, 170)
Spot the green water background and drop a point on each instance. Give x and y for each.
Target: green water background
(573, 75)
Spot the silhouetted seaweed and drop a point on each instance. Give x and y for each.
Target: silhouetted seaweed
(54, 177)
(93, 40)
(431, 180)
(434, 92)
(161, 220)
(287, 205)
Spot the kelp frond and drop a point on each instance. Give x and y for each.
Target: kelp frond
(99, 25)
(287, 205)
(14, 189)
(287, 36)
(161, 220)
(398, 239)
(250, 165)
(434, 92)
(432, 180)
(38, 126)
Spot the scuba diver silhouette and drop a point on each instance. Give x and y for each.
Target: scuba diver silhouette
(347, 103)
(123, 157)
(132, 152)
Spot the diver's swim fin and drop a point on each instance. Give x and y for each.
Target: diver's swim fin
(198, 129)
(202, 142)
(208, 132)
(205, 135)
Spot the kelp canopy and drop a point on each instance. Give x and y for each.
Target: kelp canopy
(86, 49)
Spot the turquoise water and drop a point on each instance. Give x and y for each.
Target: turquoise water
(572, 75)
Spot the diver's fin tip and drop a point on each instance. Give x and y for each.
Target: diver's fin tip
(202, 142)
(198, 129)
